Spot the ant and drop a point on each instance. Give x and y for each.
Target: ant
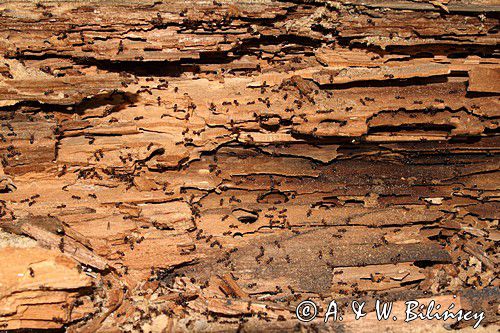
(260, 255)
(61, 244)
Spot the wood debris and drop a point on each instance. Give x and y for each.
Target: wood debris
(207, 165)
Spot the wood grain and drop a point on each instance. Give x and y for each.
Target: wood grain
(206, 165)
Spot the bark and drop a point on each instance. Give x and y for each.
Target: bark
(207, 165)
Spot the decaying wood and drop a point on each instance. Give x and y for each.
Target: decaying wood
(206, 165)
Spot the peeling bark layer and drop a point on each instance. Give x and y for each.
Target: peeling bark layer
(207, 165)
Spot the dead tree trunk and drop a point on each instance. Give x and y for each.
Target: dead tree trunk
(206, 165)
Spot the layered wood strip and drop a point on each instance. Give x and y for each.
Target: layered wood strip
(207, 165)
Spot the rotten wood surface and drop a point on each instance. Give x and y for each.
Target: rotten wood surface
(206, 165)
